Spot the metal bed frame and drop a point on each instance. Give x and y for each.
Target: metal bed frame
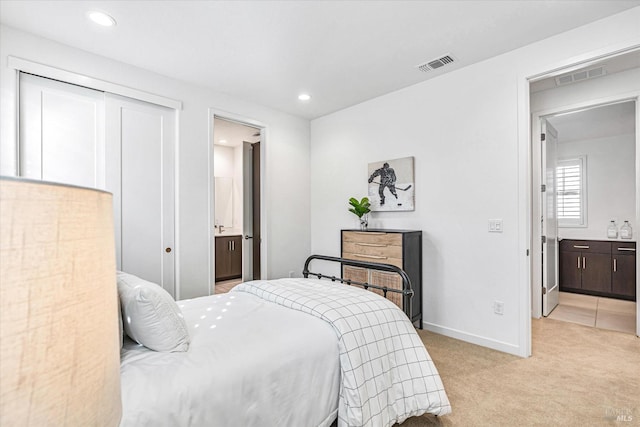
(406, 291)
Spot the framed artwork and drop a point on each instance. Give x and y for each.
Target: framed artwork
(391, 186)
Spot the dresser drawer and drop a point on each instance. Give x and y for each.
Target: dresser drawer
(374, 258)
(378, 249)
(372, 238)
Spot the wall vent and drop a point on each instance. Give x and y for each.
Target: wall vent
(580, 75)
(435, 63)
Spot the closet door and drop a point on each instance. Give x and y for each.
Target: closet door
(140, 163)
(61, 132)
(85, 137)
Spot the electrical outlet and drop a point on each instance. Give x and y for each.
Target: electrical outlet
(498, 307)
(291, 273)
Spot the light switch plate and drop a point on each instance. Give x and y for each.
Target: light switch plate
(495, 226)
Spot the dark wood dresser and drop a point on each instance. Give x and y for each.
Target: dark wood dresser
(402, 248)
(598, 267)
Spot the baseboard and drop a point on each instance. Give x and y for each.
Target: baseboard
(474, 339)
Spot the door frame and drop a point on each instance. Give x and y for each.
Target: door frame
(537, 211)
(243, 120)
(525, 179)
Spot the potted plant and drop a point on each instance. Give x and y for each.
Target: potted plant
(361, 209)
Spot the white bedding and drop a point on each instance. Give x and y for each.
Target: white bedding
(386, 373)
(250, 363)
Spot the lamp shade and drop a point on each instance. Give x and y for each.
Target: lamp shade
(59, 334)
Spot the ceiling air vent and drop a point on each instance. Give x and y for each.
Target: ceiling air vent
(435, 63)
(580, 75)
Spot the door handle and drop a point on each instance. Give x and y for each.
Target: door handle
(247, 237)
(615, 265)
(584, 263)
(167, 250)
(578, 259)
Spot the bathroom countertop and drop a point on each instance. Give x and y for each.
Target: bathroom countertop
(228, 233)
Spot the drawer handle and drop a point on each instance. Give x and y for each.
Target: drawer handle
(371, 256)
(377, 245)
(627, 249)
(370, 233)
(581, 246)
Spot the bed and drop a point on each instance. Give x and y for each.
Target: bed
(285, 352)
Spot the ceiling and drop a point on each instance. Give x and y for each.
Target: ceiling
(598, 122)
(609, 65)
(232, 134)
(267, 52)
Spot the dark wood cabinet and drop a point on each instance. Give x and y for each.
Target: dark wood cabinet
(596, 267)
(623, 279)
(228, 257)
(402, 248)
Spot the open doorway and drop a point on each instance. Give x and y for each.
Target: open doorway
(584, 175)
(236, 207)
(592, 277)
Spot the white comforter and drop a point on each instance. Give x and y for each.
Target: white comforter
(386, 373)
(250, 363)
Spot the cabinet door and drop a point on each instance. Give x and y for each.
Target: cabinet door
(235, 264)
(570, 269)
(623, 278)
(223, 257)
(596, 272)
(356, 274)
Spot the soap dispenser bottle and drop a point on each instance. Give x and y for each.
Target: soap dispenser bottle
(625, 231)
(612, 230)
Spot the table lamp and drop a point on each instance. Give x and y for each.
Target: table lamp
(59, 336)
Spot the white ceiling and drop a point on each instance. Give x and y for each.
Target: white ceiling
(599, 122)
(233, 134)
(341, 52)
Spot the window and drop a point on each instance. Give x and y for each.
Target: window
(571, 192)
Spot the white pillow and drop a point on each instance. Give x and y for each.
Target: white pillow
(151, 316)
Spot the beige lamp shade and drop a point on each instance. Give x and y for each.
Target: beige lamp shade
(59, 337)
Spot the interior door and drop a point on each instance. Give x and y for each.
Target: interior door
(140, 160)
(550, 284)
(61, 132)
(251, 211)
(256, 227)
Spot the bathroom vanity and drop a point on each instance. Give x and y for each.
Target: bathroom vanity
(228, 257)
(598, 267)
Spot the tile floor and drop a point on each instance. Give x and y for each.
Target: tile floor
(604, 313)
(225, 286)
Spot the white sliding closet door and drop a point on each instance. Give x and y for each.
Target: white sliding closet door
(84, 137)
(61, 132)
(140, 160)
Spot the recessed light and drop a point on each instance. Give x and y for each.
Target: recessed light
(304, 97)
(102, 18)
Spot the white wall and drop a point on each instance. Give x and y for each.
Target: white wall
(287, 144)
(462, 128)
(610, 183)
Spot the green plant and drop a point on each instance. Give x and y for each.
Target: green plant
(361, 207)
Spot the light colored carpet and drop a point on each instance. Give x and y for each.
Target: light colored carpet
(578, 376)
